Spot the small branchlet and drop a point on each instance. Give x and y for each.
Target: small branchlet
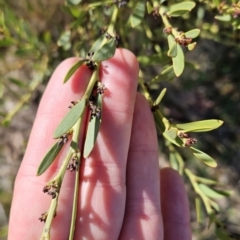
(73, 163)
(52, 189)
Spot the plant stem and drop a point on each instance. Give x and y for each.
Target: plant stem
(198, 191)
(113, 21)
(92, 83)
(51, 213)
(76, 131)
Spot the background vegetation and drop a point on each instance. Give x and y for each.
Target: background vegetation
(35, 36)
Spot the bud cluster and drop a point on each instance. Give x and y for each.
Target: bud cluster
(95, 111)
(73, 164)
(188, 141)
(52, 189)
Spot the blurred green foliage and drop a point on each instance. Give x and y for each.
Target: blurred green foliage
(35, 36)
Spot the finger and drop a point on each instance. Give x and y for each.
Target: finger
(174, 204)
(103, 172)
(142, 218)
(28, 200)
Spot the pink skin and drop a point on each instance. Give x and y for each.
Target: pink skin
(120, 193)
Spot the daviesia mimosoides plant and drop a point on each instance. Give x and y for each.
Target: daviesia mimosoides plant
(175, 135)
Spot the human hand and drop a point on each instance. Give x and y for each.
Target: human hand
(123, 195)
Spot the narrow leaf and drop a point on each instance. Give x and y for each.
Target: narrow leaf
(166, 75)
(215, 206)
(171, 41)
(221, 235)
(149, 7)
(158, 122)
(92, 130)
(49, 158)
(203, 157)
(172, 52)
(138, 14)
(97, 43)
(212, 193)
(105, 52)
(192, 33)
(180, 9)
(160, 97)
(74, 2)
(200, 126)
(173, 161)
(199, 210)
(64, 40)
(223, 18)
(172, 136)
(73, 69)
(206, 181)
(191, 46)
(70, 119)
(178, 61)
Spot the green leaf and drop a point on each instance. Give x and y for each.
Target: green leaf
(203, 157)
(49, 158)
(70, 119)
(74, 2)
(206, 181)
(97, 4)
(6, 42)
(105, 52)
(92, 130)
(172, 52)
(166, 75)
(172, 135)
(221, 235)
(160, 97)
(215, 206)
(180, 9)
(223, 18)
(73, 69)
(178, 61)
(64, 40)
(192, 33)
(18, 82)
(149, 7)
(212, 193)
(97, 43)
(158, 122)
(199, 210)
(191, 46)
(173, 161)
(200, 126)
(138, 14)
